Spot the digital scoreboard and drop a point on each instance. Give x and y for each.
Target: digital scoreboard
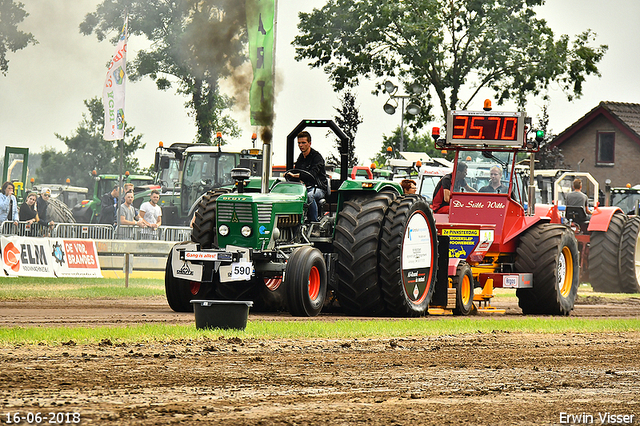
(486, 128)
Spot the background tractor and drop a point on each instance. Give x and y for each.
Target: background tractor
(373, 249)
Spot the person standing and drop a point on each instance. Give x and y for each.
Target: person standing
(28, 212)
(127, 213)
(312, 162)
(150, 212)
(8, 204)
(108, 204)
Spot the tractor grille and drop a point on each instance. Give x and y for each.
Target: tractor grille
(264, 213)
(235, 212)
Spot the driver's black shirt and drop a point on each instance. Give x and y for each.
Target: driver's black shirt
(314, 164)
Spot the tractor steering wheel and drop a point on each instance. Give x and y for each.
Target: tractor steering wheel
(305, 176)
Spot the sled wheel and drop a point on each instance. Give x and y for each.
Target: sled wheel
(408, 253)
(306, 282)
(550, 252)
(463, 283)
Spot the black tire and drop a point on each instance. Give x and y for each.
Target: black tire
(464, 285)
(180, 292)
(407, 289)
(630, 256)
(59, 212)
(550, 252)
(604, 256)
(269, 295)
(357, 241)
(305, 282)
(204, 226)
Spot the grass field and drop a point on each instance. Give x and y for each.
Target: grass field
(51, 288)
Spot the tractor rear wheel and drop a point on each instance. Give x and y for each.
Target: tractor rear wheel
(204, 225)
(630, 256)
(180, 292)
(306, 282)
(408, 252)
(463, 283)
(604, 256)
(357, 240)
(550, 252)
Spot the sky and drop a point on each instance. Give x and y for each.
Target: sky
(44, 90)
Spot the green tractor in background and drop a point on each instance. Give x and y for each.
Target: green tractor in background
(187, 171)
(374, 249)
(88, 211)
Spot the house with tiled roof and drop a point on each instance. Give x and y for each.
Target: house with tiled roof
(605, 142)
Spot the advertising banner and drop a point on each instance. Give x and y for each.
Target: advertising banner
(46, 257)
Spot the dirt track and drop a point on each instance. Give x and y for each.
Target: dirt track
(481, 378)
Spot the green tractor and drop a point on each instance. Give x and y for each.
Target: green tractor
(88, 211)
(187, 171)
(373, 250)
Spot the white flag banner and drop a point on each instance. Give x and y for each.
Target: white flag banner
(113, 91)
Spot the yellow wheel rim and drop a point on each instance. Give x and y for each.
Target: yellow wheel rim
(565, 271)
(465, 290)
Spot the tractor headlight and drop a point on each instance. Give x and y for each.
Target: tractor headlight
(223, 230)
(245, 231)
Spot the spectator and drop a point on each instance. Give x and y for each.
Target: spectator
(408, 186)
(127, 212)
(8, 204)
(28, 212)
(108, 204)
(42, 204)
(150, 212)
(126, 188)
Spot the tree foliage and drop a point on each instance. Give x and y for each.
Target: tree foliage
(548, 157)
(87, 151)
(455, 48)
(347, 120)
(11, 38)
(194, 43)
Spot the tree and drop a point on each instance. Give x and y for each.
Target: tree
(454, 48)
(347, 120)
(548, 157)
(193, 43)
(88, 151)
(11, 39)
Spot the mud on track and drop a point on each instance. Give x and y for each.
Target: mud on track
(480, 378)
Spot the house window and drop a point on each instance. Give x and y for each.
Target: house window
(605, 148)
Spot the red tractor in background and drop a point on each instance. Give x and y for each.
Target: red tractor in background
(492, 241)
(608, 239)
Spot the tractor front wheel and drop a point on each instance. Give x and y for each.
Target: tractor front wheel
(550, 252)
(463, 283)
(306, 282)
(204, 223)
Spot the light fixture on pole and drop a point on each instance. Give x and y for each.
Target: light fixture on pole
(413, 107)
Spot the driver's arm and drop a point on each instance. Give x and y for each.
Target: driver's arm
(446, 195)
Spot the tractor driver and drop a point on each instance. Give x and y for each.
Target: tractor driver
(311, 161)
(577, 198)
(495, 185)
(442, 192)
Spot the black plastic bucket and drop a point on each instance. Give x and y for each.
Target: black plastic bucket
(224, 314)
